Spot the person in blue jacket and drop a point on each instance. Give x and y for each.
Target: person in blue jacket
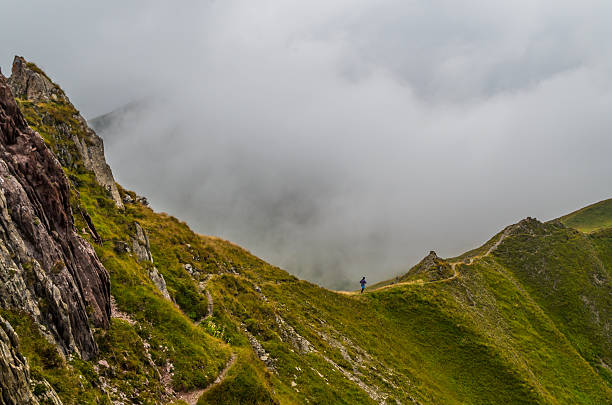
(363, 283)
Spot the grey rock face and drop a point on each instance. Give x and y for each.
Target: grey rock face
(47, 394)
(46, 269)
(14, 371)
(140, 244)
(30, 83)
(159, 282)
(142, 249)
(92, 153)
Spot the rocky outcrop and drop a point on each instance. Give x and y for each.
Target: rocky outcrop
(288, 334)
(142, 250)
(140, 244)
(259, 350)
(533, 227)
(30, 83)
(14, 371)
(92, 153)
(46, 269)
(157, 279)
(432, 268)
(44, 393)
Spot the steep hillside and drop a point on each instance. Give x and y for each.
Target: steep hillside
(49, 273)
(568, 274)
(196, 319)
(592, 218)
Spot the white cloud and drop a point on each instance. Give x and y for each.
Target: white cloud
(346, 137)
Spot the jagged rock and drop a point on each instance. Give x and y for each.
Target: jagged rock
(91, 150)
(14, 370)
(430, 258)
(142, 249)
(30, 83)
(530, 226)
(157, 279)
(45, 393)
(140, 244)
(432, 267)
(46, 268)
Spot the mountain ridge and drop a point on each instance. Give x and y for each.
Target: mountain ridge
(525, 318)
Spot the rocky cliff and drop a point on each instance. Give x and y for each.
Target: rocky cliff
(46, 269)
(525, 318)
(30, 83)
(14, 370)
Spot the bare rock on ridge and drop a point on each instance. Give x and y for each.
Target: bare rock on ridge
(142, 249)
(431, 268)
(46, 268)
(140, 244)
(30, 83)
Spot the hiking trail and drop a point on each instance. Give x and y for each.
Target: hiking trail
(467, 261)
(191, 397)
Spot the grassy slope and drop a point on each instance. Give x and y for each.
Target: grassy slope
(588, 219)
(173, 338)
(513, 328)
(568, 274)
(72, 380)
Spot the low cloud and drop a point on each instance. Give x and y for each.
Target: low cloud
(345, 139)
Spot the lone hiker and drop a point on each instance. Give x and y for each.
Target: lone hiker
(363, 283)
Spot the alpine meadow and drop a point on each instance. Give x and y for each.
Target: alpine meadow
(104, 299)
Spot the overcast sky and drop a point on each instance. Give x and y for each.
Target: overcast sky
(340, 138)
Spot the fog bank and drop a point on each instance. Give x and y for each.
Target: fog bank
(341, 139)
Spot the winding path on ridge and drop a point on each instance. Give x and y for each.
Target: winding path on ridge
(192, 397)
(468, 261)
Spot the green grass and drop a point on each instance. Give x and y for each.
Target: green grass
(129, 368)
(195, 355)
(524, 325)
(568, 274)
(245, 383)
(592, 218)
(74, 381)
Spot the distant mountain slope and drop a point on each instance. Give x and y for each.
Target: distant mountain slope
(105, 123)
(588, 219)
(526, 318)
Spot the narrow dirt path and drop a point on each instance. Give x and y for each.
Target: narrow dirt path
(191, 397)
(469, 261)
